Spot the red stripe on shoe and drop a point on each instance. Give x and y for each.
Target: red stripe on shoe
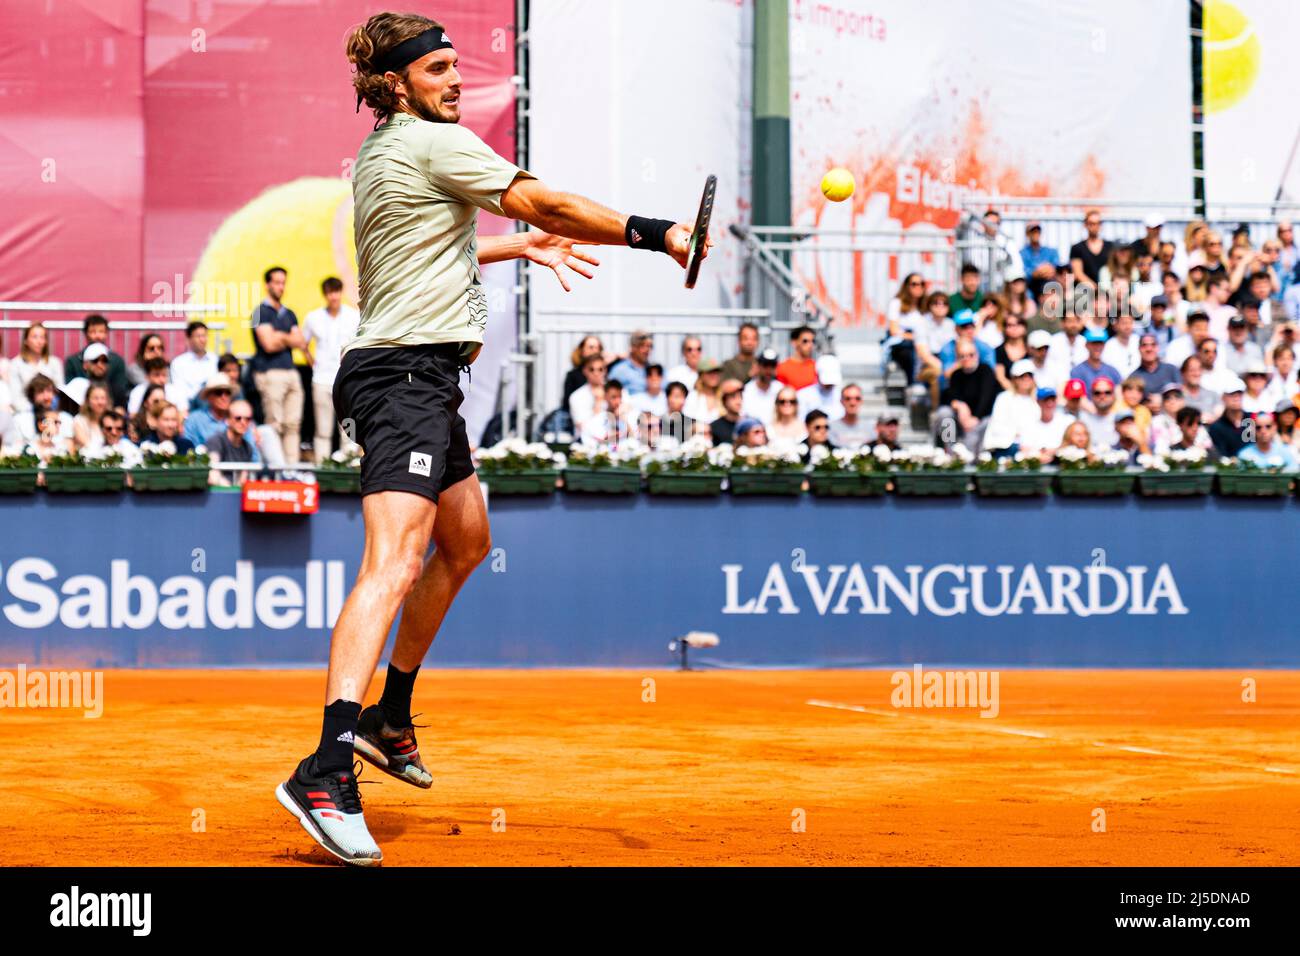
(327, 804)
(318, 794)
(331, 814)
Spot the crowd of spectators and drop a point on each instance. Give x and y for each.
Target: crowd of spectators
(752, 398)
(94, 402)
(1149, 346)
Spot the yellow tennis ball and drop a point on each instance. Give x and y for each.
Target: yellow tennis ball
(1230, 54)
(304, 225)
(837, 184)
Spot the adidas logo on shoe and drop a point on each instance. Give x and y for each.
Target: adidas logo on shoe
(345, 737)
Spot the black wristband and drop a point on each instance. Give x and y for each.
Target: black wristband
(643, 233)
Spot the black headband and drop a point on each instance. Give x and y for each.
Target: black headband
(408, 51)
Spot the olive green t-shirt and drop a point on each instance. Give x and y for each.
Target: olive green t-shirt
(417, 188)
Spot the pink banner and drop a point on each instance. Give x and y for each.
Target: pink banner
(146, 145)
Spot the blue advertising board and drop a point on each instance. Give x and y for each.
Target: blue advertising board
(188, 580)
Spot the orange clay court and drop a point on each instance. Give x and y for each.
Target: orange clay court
(711, 772)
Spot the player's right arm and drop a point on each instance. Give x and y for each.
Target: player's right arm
(580, 218)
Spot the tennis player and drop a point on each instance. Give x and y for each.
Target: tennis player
(418, 184)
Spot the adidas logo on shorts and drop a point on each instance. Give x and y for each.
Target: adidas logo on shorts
(345, 737)
(421, 463)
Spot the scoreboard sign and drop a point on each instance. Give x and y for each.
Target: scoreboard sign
(280, 497)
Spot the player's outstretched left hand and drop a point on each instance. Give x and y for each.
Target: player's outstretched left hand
(558, 253)
(678, 241)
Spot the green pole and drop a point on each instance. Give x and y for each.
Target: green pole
(771, 175)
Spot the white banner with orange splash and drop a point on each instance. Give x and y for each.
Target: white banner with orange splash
(935, 105)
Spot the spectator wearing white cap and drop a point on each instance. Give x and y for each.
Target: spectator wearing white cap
(1014, 411)
(761, 390)
(95, 366)
(824, 396)
(1228, 430)
(1266, 451)
(1046, 432)
(851, 429)
(1257, 397)
(1093, 368)
(1240, 351)
(1149, 242)
(1046, 373)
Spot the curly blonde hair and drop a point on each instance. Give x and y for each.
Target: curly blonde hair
(366, 46)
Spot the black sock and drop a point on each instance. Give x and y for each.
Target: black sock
(337, 730)
(396, 698)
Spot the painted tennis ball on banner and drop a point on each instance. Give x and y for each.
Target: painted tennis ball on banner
(837, 184)
(305, 226)
(1230, 54)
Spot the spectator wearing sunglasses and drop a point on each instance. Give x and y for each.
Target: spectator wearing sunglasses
(800, 369)
(1266, 451)
(786, 425)
(1228, 431)
(905, 318)
(850, 429)
(819, 432)
(688, 370)
(233, 443)
(589, 399)
(967, 400)
(112, 426)
(1100, 419)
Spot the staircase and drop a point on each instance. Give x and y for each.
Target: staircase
(861, 364)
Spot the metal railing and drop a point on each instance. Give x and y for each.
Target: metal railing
(534, 377)
(846, 278)
(123, 334)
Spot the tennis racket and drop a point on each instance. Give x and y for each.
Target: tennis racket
(700, 235)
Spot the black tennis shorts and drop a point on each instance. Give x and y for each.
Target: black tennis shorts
(403, 405)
